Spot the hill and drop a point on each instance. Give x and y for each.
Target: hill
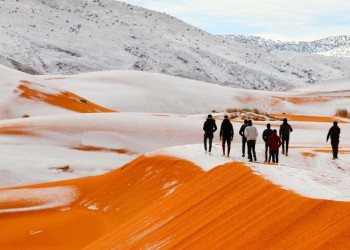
(68, 37)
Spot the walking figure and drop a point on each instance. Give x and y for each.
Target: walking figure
(226, 135)
(244, 139)
(251, 133)
(334, 134)
(274, 143)
(285, 130)
(209, 128)
(266, 135)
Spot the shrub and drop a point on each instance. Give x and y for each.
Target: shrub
(342, 113)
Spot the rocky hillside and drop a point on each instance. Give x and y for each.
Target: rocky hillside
(341, 44)
(66, 37)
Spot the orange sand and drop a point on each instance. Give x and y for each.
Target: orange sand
(92, 148)
(55, 78)
(308, 154)
(306, 118)
(330, 151)
(306, 100)
(227, 207)
(161, 115)
(65, 100)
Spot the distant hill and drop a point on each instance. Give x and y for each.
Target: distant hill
(332, 46)
(68, 37)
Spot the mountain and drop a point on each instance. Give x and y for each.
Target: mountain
(332, 46)
(68, 37)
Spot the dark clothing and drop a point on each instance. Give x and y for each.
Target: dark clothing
(241, 130)
(285, 143)
(267, 133)
(335, 145)
(228, 141)
(226, 130)
(285, 130)
(334, 133)
(274, 142)
(209, 127)
(251, 150)
(274, 156)
(244, 140)
(274, 145)
(206, 138)
(267, 151)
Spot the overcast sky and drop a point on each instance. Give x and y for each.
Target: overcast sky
(276, 19)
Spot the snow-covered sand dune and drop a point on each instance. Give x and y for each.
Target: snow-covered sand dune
(26, 95)
(147, 182)
(132, 91)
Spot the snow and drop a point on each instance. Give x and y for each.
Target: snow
(13, 106)
(131, 91)
(49, 150)
(93, 207)
(327, 46)
(41, 198)
(64, 37)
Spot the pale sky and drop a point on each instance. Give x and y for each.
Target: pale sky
(276, 19)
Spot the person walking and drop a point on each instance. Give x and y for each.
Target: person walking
(226, 135)
(334, 134)
(244, 139)
(209, 128)
(251, 133)
(266, 135)
(285, 130)
(274, 144)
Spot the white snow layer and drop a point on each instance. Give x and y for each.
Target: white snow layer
(41, 198)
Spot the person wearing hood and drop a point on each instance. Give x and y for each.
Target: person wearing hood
(251, 133)
(334, 134)
(285, 130)
(244, 140)
(226, 135)
(266, 135)
(274, 143)
(209, 128)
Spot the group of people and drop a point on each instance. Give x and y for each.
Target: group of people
(249, 134)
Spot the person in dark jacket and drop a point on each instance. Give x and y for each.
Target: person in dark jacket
(244, 140)
(334, 134)
(226, 135)
(285, 130)
(209, 128)
(266, 135)
(274, 143)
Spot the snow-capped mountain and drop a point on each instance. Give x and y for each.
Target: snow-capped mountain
(333, 45)
(66, 37)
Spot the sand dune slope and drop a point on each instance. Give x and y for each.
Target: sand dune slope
(165, 202)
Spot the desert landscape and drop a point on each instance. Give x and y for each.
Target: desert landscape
(125, 168)
(102, 112)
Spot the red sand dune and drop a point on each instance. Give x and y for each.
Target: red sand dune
(64, 99)
(227, 207)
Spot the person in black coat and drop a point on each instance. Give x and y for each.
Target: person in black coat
(285, 130)
(226, 135)
(244, 140)
(209, 128)
(266, 135)
(334, 134)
